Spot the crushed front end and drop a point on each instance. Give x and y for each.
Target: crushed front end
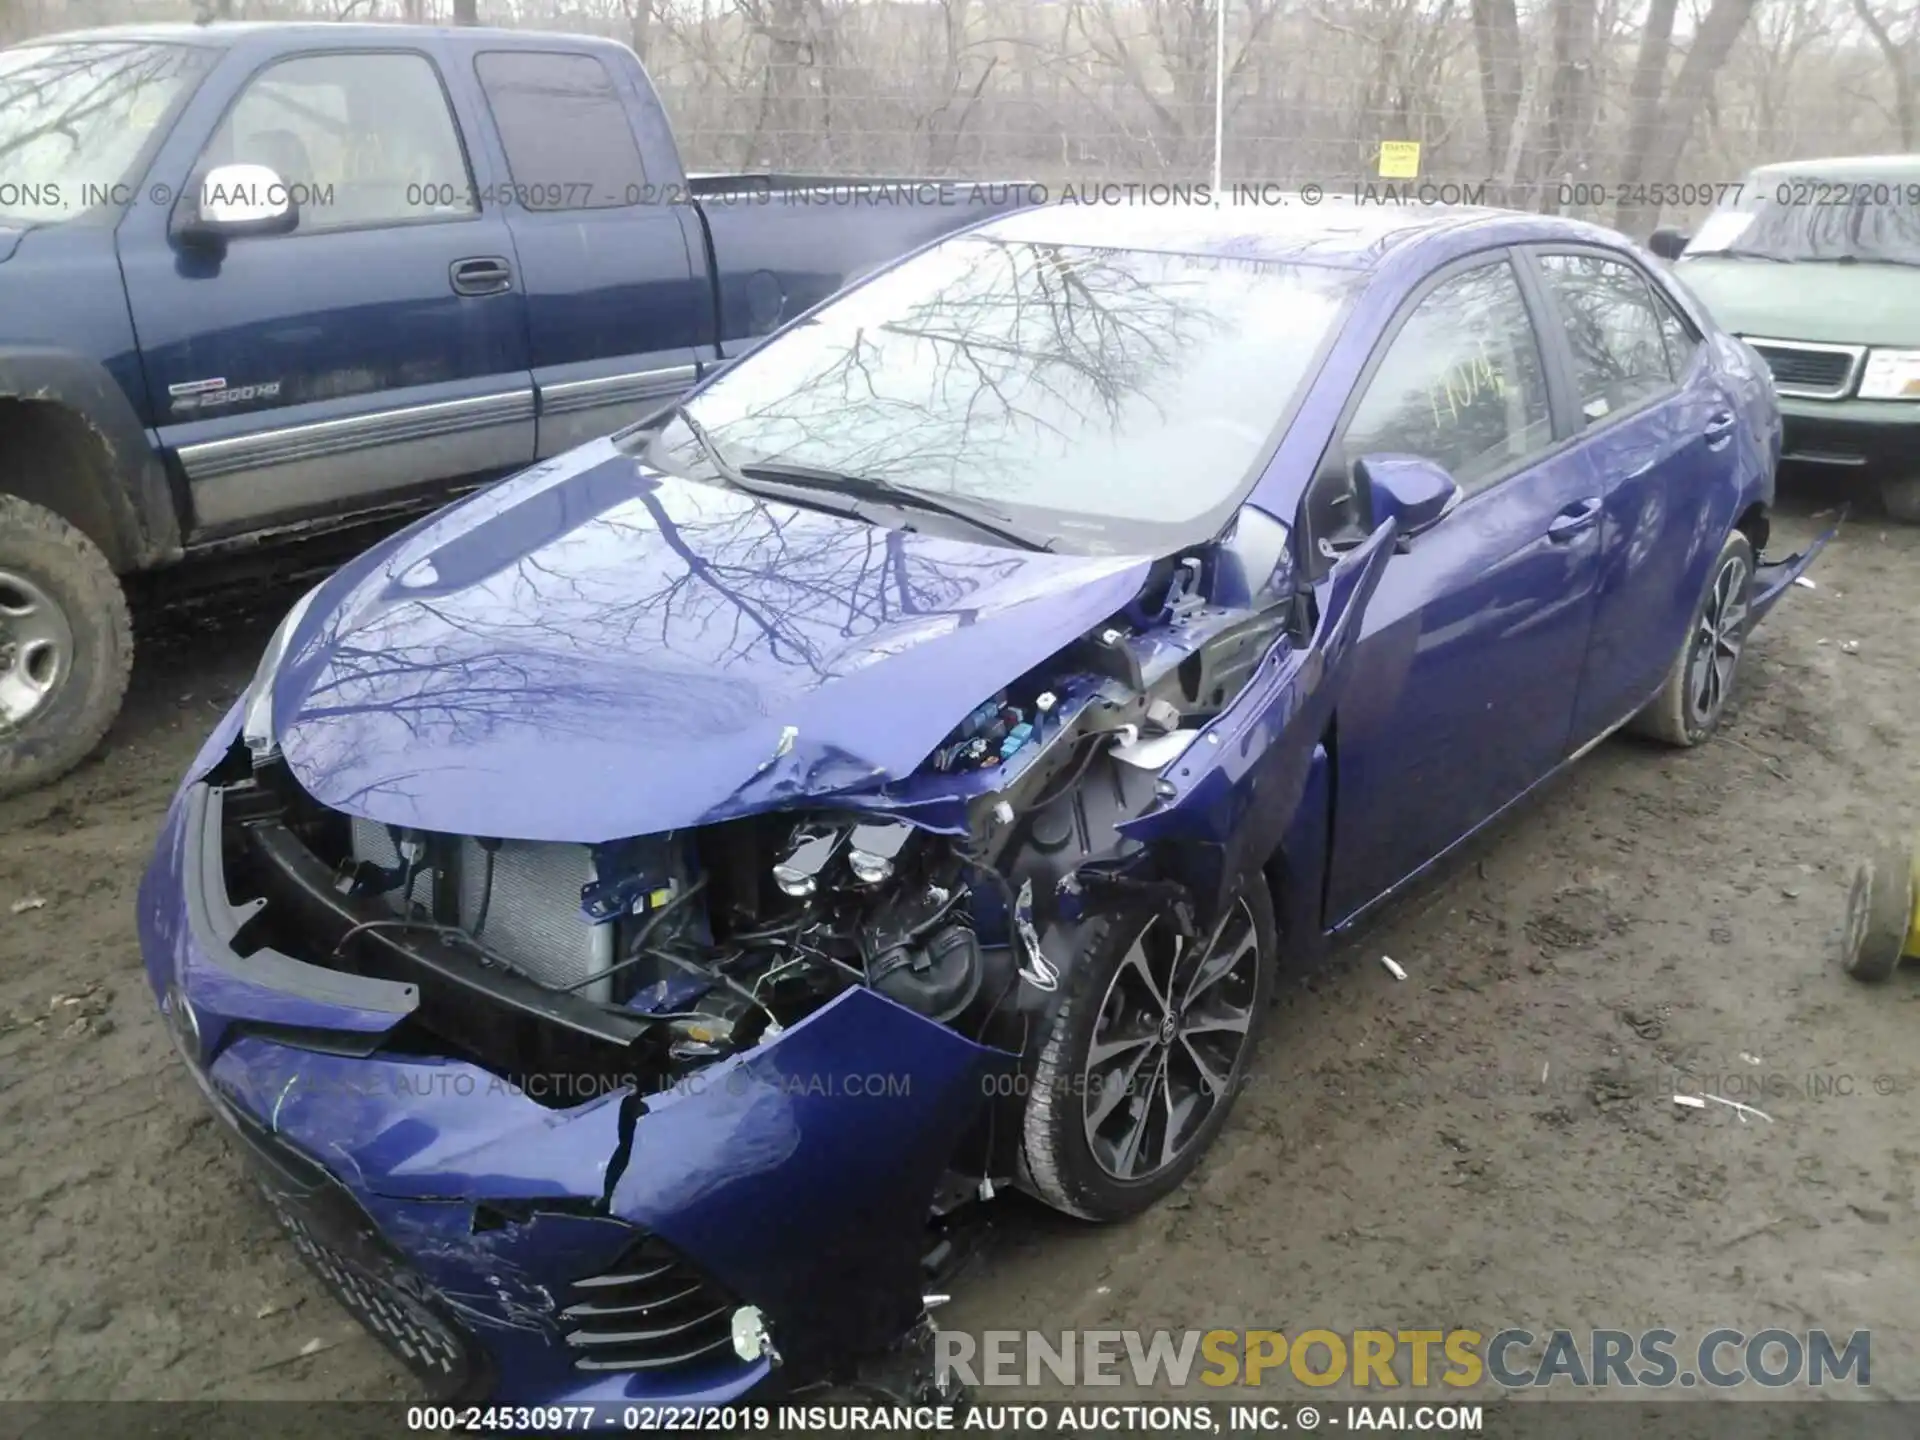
(541, 1166)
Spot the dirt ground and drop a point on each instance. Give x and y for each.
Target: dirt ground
(1490, 1142)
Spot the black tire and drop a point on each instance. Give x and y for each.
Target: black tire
(1902, 499)
(1059, 1162)
(1879, 915)
(1686, 712)
(49, 569)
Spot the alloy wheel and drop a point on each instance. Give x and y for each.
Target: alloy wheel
(1167, 1042)
(1717, 641)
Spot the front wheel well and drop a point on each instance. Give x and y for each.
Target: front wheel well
(51, 457)
(1755, 525)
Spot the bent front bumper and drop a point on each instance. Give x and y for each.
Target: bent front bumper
(590, 1252)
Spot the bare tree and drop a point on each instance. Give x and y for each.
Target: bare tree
(1663, 116)
(1900, 63)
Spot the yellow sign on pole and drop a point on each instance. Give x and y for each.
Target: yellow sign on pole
(1399, 159)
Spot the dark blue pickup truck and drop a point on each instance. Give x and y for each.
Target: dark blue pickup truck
(260, 278)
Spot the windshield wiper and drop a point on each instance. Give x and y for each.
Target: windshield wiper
(980, 516)
(726, 469)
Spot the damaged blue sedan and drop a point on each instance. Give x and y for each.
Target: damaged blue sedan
(639, 913)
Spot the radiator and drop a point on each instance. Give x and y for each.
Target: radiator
(533, 919)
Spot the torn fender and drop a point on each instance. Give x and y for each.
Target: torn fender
(1240, 783)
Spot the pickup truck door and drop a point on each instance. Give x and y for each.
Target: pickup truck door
(381, 346)
(619, 296)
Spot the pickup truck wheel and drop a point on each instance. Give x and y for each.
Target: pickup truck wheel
(1689, 706)
(66, 646)
(1147, 1052)
(1902, 499)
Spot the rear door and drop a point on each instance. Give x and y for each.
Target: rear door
(325, 369)
(1658, 431)
(618, 293)
(1462, 691)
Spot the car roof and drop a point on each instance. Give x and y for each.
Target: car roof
(1850, 167)
(1331, 231)
(230, 32)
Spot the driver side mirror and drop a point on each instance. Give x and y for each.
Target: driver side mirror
(1415, 494)
(1669, 242)
(236, 200)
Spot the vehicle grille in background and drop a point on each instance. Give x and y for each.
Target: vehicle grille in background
(1811, 372)
(652, 1310)
(533, 919)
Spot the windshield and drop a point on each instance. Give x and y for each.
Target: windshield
(1109, 390)
(1810, 217)
(76, 120)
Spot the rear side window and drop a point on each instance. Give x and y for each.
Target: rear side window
(569, 145)
(1615, 334)
(1461, 384)
(1678, 333)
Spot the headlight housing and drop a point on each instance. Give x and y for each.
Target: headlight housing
(1891, 375)
(256, 723)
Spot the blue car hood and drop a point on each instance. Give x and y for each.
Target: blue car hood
(592, 650)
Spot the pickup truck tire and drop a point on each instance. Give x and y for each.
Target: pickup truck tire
(1902, 499)
(1222, 985)
(1688, 708)
(66, 646)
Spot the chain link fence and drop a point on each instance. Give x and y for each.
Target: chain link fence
(1628, 111)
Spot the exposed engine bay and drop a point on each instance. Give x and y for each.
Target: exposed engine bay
(660, 954)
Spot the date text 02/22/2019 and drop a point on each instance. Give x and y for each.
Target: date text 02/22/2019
(880, 1418)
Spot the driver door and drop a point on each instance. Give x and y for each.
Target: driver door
(358, 356)
(1463, 684)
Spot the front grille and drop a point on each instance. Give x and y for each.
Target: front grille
(402, 1322)
(1812, 372)
(651, 1310)
(338, 1241)
(532, 917)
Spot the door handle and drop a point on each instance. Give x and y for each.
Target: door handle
(482, 275)
(1719, 430)
(1576, 519)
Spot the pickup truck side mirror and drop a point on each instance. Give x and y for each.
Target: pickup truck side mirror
(1414, 493)
(236, 200)
(1669, 242)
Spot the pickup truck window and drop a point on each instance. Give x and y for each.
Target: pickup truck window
(77, 121)
(568, 141)
(1108, 390)
(364, 139)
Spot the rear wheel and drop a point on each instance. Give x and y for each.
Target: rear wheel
(1902, 499)
(1701, 678)
(66, 646)
(1147, 1052)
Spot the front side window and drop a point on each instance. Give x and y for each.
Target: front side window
(1614, 332)
(1106, 394)
(1461, 384)
(77, 121)
(362, 140)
